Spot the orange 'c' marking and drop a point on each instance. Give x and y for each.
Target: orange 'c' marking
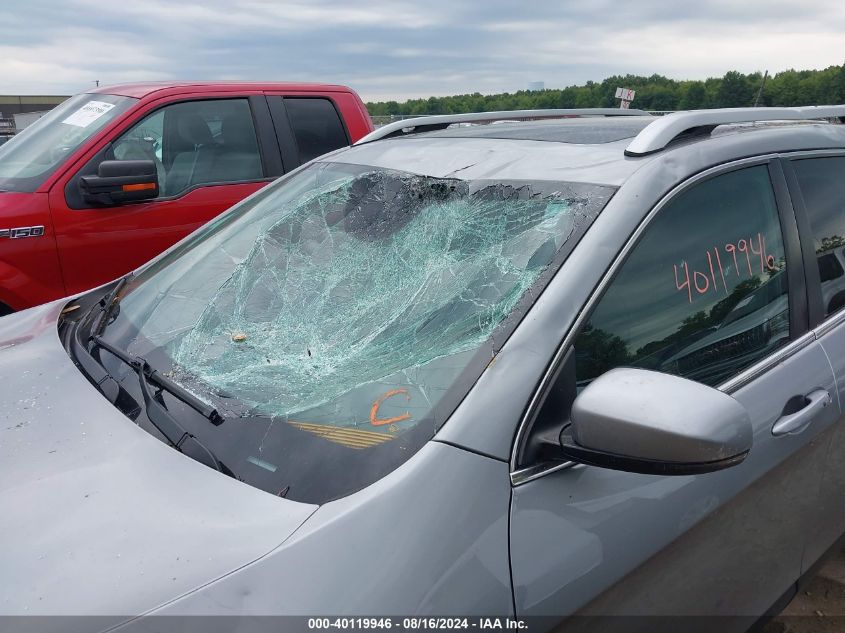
(376, 421)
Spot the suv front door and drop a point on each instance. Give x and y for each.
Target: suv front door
(711, 290)
(209, 154)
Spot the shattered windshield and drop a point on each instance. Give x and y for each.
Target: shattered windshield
(339, 308)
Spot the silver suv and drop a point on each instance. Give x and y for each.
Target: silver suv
(576, 369)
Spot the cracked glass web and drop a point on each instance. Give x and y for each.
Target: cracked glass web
(358, 280)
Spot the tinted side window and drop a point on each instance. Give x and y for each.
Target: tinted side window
(703, 294)
(822, 182)
(196, 142)
(316, 126)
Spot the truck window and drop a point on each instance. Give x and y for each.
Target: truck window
(196, 142)
(823, 191)
(31, 156)
(316, 126)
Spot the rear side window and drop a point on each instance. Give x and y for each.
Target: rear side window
(822, 182)
(703, 294)
(316, 127)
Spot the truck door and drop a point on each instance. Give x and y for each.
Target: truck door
(209, 154)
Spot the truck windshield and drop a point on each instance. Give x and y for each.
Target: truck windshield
(29, 158)
(332, 318)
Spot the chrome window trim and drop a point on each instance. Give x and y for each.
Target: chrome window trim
(524, 475)
(811, 153)
(765, 364)
(835, 319)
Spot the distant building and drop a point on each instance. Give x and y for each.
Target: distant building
(16, 104)
(25, 119)
(535, 86)
(11, 105)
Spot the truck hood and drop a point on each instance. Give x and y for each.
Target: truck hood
(99, 517)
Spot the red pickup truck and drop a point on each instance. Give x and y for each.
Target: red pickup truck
(110, 178)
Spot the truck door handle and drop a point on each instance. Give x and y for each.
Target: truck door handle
(798, 421)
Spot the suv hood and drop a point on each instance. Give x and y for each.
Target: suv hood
(99, 517)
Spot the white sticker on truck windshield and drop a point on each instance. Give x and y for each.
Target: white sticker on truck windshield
(88, 113)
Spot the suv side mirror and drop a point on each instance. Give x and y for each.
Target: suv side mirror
(121, 181)
(647, 422)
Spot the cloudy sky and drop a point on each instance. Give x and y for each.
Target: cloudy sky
(392, 49)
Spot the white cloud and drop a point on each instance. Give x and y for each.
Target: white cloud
(72, 63)
(223, 17)
(401, 49)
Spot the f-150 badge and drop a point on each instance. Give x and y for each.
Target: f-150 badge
(22, 231)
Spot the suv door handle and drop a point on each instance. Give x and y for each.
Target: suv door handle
(798, 421)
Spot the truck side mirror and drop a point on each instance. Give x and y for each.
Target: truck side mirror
(647, 422)
(120, 181)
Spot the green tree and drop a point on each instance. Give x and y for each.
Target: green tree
(735, 91)
(787, 88)
(694, 96)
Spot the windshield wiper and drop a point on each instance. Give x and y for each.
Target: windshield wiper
(108, 305)
(158, 414)
(92, 367)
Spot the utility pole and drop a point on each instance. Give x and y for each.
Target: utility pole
(760, 92)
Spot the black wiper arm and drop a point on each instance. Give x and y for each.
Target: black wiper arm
(92, 368)
(162, 382)
(158, 414)
(107, 305)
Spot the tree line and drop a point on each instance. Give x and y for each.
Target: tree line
(733, 90)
